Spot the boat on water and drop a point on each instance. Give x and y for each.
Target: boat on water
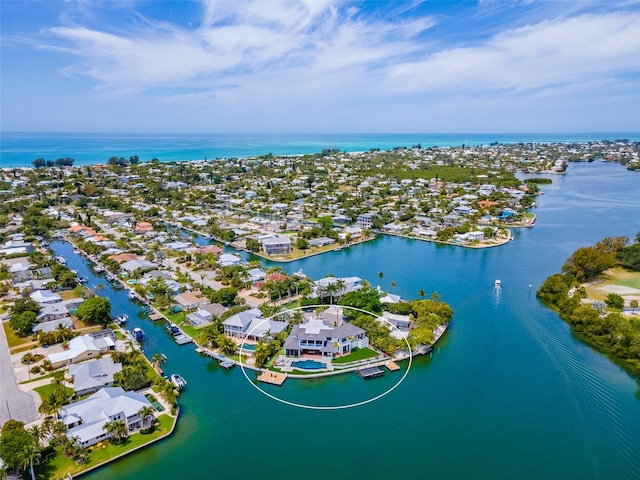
(178, 381)
(132, 295)
(81, 280)
(61, 259)
(497, 284)
(121, 319)
(76, 251)
(98, 269)
(138, 334)
(173, 329)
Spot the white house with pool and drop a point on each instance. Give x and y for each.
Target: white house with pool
(316, 337)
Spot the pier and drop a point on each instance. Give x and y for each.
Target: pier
(273, 378)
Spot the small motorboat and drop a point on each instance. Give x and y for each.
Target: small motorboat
(497, 284)
(173, 329)
(138, 334)
(122, 319)
(178, 381)
(132, 295)
(61, 259)
(98, 269)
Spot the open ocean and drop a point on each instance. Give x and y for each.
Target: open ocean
(19, 149)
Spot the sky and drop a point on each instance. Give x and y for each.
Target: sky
(320, 66)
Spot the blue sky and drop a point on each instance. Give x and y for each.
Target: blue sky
(320, 66)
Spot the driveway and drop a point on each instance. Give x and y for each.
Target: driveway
(14, 403)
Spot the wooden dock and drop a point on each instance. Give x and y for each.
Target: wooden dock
(156, 316)
(272, 378)
(391, 365)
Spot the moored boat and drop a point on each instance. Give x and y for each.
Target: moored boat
(178, 381)
(138, 334)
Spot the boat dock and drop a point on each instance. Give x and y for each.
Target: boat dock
(273, 378)
(182, 339)
(156, 316)
(227, 363)
(391, 365)
(369, 372)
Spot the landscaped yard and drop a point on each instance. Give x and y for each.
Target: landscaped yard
(13, 339)
(609, 280)
(46, 390)
(361, 354)
(59, 466)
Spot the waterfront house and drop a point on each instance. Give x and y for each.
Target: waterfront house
(85, 420)
(191, 300)
(143, 227)
(205, 314)
(138, 264)
(365, 220)
(351, 284)
(276, 245)
(52, 325)
(45, 297)
(251, 326)
(227, 259)
(318, 337)
(93, 375)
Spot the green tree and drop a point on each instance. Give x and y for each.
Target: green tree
(614, 300)
(587, 263)
(118, 429)
(17, 445)
(633, 304)
(146, 413)
(253, 245)
(95, 310)
(302, 243)
(23, 322)
(422, 293)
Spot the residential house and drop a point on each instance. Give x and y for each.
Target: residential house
(93, 375)
(52, 326)
(85, 420)
(278, 245)
(365, 220)
(318, 337)
(191, 300)
(251, 326)
(85, 347)
(227, 259)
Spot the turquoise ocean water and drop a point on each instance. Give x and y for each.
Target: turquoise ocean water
(510, 392)
(20, 149)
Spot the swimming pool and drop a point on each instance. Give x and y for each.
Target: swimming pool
(308, 364)
(248, 346)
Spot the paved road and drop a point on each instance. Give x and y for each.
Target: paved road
(13, 401)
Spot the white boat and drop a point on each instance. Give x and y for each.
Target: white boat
(178, 381)
(76, 251)
(122, 319)
(98, 269)
(61, 259)
(132, 295)
(138, 334)
(497, 284)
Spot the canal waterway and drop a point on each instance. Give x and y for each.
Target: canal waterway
(509, 392)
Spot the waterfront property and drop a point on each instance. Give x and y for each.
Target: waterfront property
(319, 338)
(85, 420)
(251, 326)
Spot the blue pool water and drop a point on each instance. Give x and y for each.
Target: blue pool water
(248, 346)
(308, 364)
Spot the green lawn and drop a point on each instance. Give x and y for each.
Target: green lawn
(46, 390)
(13, 339)
(59, 465)
(360, 354)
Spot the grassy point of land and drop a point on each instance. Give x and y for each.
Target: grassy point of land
(613, 277)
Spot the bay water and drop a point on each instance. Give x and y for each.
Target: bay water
(509, 392)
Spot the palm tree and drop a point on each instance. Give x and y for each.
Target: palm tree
(39, 433)
(422, 293)
(117, 428)
(331, 289)
(341, 285)
(30, 455)
(158, 358)
(393, 286)
(380, 275)
(633, 304)
(145, 413)
(434, 297)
